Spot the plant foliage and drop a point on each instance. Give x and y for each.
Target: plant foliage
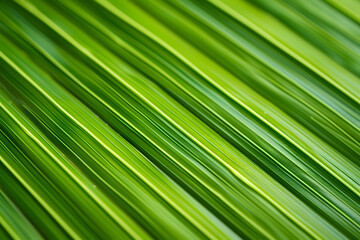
(180, 119)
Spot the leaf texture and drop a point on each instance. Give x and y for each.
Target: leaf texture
(181, 119)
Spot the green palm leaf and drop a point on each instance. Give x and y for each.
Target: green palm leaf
(179, 119)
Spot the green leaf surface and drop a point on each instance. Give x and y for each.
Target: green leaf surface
(179, 119)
